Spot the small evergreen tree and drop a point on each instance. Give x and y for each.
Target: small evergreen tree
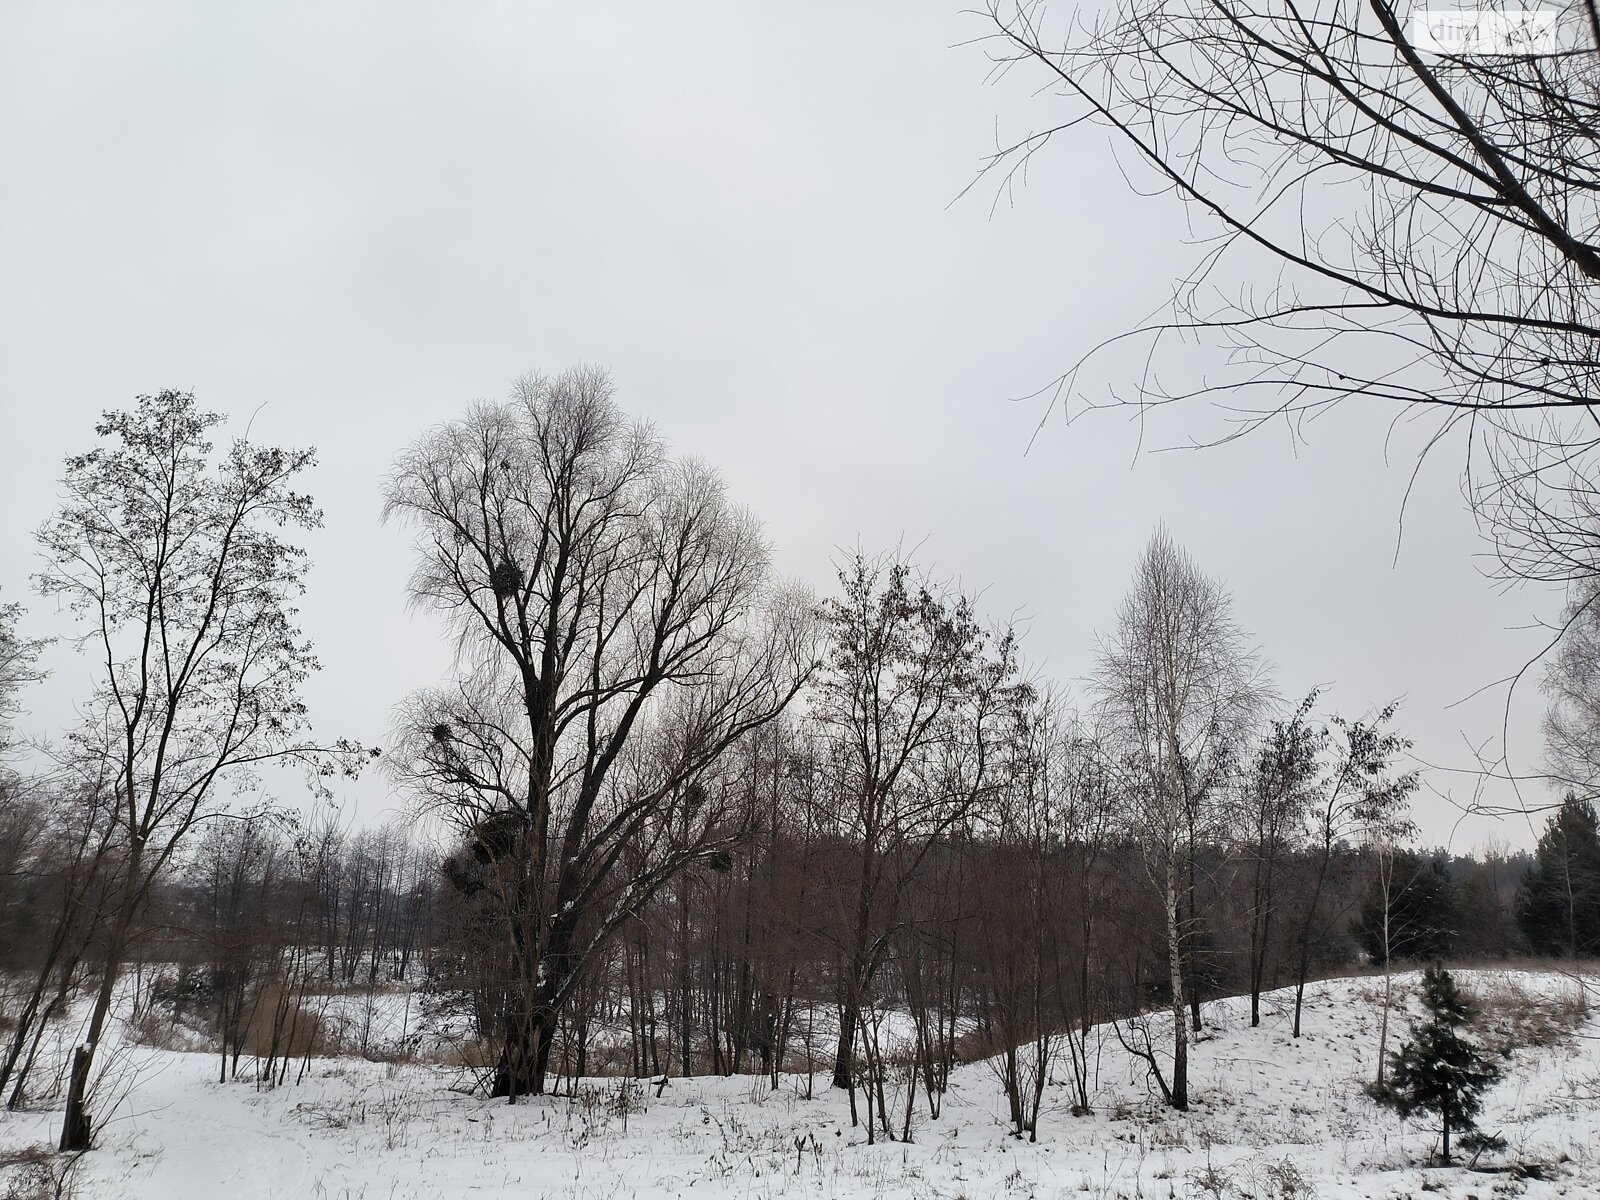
(1438, 1070)
(1558, 905)
(1423, 916)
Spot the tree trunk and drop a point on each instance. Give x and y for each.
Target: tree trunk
(77, 1129)
(1305, 937)
(1260, 919)
(1388, 971)
(1190, 928)
(859, 976)
(844, 1057)
(1180, 1032)
(525, 1058)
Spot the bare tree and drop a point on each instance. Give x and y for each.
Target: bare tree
(19, 657)
(1359, 797)
(1017, 935)
(172, 560)
(75, 862)
(1381, 221)
(1287, 767)
(1180, 687)
(1088, 808)
(617, 632)
(913, 694)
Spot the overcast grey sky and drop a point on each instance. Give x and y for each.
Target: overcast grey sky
(349, 220)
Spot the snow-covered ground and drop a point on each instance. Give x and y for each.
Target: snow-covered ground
(1272, 1117)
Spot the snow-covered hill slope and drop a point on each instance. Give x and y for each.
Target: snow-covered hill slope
(1272, 1117)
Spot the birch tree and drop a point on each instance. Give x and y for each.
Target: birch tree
(1180, 686)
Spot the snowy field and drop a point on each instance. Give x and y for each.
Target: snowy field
(1272, 1117)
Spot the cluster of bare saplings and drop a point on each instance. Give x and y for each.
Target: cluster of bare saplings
(667, 814)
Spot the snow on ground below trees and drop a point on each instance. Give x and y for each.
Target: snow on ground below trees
(357, 1129)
